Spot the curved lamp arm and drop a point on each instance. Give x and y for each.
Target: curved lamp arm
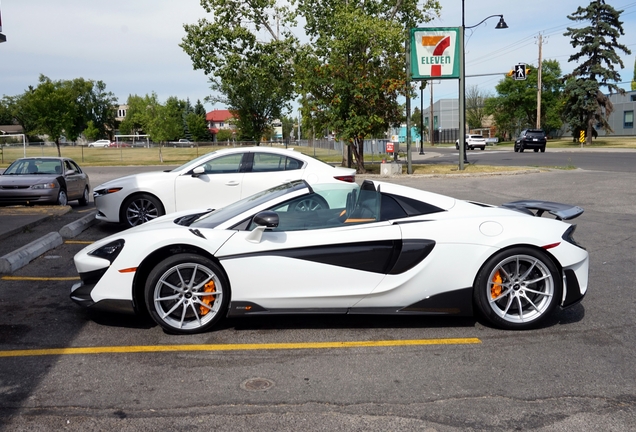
(500, 25)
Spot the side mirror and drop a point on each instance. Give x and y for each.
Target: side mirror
(198, 171)
(69, 172)
(263, 220)
(267, 219)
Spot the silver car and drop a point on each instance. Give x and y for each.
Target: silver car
(44, 180)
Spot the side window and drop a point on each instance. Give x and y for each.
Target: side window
(224, 165)
(293, 164)
(267, 162)
(76, 167)
(68, 166)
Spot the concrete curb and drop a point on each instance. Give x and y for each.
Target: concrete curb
(21, 257)
(75, 228)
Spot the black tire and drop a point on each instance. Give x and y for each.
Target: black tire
(482, 148)
(62, 198)
(311, 203)
(139, 209)
(85, 197)
(536, 150)
(199, 303)
(518, 288)
(521, 149)
(516, 148)
(543, 149)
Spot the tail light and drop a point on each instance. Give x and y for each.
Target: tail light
(347, 178)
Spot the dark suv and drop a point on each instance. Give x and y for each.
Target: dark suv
(531, 139)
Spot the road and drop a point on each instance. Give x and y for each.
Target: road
(577, 372)
(617, 160)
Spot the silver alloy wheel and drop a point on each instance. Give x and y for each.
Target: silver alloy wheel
(309, 204)
(141, 210)
(62, 198)
(187, 296)
(520, 289)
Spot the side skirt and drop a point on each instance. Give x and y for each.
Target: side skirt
(458, 303)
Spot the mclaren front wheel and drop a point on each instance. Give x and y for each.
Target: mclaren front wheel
(187, 293)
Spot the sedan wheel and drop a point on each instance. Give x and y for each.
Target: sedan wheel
(140, 209)
(62, 198)
(517, 288)
(187, 294)
(84, 199)
(310, 204)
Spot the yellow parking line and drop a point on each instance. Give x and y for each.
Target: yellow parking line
(78, 242)
(34, 278)
(236, 347)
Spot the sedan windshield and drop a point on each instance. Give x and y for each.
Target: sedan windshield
(34, 167)
(211, 220)
(193, 162)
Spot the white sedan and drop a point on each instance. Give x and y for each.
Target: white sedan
(377, 248)
(213, 180)
(100, 143)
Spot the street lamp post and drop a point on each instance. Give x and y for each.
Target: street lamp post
(462, 83)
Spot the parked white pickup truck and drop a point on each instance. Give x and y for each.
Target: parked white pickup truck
(472, 142)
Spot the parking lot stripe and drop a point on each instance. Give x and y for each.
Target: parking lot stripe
(34, 278)
(86, 242)
(236, 347)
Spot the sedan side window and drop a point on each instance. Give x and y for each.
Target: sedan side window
(266, 162)
(224, 165)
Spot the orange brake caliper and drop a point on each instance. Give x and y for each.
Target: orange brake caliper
(495, 290)
(207, 300)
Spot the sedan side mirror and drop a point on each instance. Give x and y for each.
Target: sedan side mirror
(198, 171)
(69, 172)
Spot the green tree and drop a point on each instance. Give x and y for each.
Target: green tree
(91, 132)
(351, 73)
(634, 80)
(515, 105)
(197, 126)
(6, 116)
(475, 109)
(596, 48)
(251, 76)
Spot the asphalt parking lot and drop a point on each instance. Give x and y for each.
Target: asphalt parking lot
(454, 374)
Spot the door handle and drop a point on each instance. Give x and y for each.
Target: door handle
(232, 183)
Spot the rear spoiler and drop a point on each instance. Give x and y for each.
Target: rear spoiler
(560, 211)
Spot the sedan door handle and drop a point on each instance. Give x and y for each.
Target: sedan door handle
(232, 183)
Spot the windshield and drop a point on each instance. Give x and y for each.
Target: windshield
(193, 161)
(211, 220)
(34, 167)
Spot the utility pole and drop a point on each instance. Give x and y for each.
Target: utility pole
(539, 85)
(431, 126)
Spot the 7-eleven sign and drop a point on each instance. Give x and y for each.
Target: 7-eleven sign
(435, 53)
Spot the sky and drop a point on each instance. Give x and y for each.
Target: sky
(133, 45)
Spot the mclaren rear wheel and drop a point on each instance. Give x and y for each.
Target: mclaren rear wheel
(518, 288)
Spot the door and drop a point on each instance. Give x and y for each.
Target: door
(329, 269)
(219, 185)
(73, 181)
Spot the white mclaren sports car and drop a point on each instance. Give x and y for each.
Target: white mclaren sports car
(213, 180)
(375, 248)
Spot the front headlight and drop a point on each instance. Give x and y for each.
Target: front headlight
(106, 191)
(109, 251)
(51, 185)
